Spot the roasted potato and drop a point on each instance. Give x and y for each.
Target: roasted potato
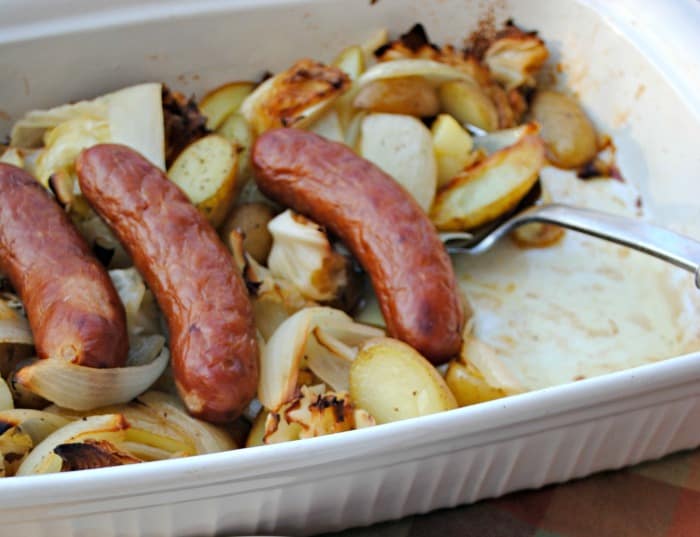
(206, 172)
(402, 147)
(537, 235)
(235, 129)
(392, 382)
(468, 104)
(295, 97)
(220, 102)
(490, 188)
(410, 95)
(251, 220)
(452, 146)
(569, 135)
(468, 384)
(257, 431)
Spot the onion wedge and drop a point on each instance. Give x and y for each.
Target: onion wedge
(298, 336)
(84, 388)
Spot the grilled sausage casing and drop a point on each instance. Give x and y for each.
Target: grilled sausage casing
(74, 311)
(189, 270)
(380, 223)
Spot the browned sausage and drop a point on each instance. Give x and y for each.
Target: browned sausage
(74, 311)
(380, 223)
(203, 297)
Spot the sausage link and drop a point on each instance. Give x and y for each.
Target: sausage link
(380, 223)
(74, 311)
(203, 297)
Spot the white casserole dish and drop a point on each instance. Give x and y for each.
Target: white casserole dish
(608, 52)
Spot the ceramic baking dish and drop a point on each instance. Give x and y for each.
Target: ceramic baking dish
(637, 83)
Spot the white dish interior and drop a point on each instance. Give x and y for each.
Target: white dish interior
(635, 89)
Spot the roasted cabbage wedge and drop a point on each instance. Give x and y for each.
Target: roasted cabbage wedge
(295, 97)
(490, 188)
(515, 57)
(314, 412)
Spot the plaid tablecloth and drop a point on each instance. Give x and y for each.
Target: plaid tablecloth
(657, 499)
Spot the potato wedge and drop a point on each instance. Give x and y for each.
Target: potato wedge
(410, 95)
(569, 135)
(251, 219)
(352, 61)
(257, 431)
(452, 146)
(490, 188)
(516, 57)
(469, 386)
(206, 172)
(468, 104)
(402, 147)
(218, 103)
(235, 129)
(538, 234)
(392, 382)
(295, 97)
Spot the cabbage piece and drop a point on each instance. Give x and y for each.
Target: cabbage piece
(134, 116)
(302, 254)
(142, 316)
(314, 412)
(515, 56)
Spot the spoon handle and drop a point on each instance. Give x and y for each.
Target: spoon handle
(672, 247)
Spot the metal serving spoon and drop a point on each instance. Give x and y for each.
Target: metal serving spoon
(650, 239)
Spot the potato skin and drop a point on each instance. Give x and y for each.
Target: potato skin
(380, 223)
(567, 131)
(189, 270)
(73, 309)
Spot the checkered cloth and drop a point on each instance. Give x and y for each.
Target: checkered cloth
(658, 499)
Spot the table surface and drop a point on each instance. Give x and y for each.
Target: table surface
(656, 499)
